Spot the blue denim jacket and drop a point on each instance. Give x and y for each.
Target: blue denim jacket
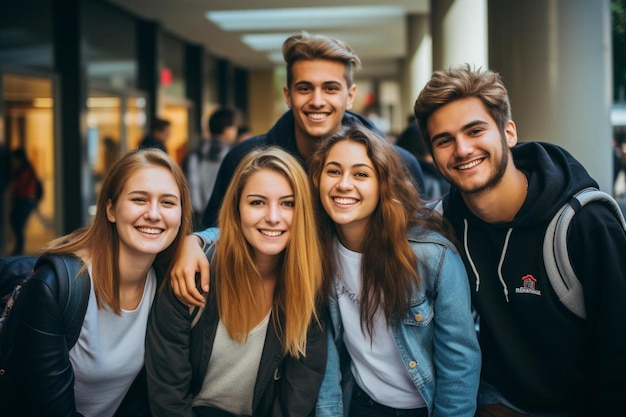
(436, 338)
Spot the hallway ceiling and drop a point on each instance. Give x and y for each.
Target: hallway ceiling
(376, 30)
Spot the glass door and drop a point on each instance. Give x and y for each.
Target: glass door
(115, 124)
(177, 112)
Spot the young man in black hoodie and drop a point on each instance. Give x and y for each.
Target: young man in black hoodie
(539, 359)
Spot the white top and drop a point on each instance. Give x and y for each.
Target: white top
(233, 368)
(109, 353)
(376, 362)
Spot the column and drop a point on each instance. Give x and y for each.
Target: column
(555, 58)
(71, 157)
(459, 32)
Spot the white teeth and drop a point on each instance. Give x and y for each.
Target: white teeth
(317, 116)
(470, 165)
(272, 233)
(149, 230)
(344, 200)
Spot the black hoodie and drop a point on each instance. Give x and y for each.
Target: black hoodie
(538, 354)
(283, 134)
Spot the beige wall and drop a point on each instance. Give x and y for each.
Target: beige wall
(266, 103)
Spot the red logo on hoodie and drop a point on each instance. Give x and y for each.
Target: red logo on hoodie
(529, 286)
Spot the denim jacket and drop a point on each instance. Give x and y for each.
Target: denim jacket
(436, 338)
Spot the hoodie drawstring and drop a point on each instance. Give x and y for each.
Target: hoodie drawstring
(502, 256)
(469, 257)
(506, 246)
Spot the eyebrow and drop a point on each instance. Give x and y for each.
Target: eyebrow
(360, 165)
(169, 195)
(329, 82)
(265, 197)
(465, 127)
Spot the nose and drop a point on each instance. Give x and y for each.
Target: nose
(154, 211)
(317, 99)
(344, 183)
(272, 215)
(463, 147)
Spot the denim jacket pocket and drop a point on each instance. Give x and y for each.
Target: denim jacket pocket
(420, 313)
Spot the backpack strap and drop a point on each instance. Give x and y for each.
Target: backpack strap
(435, 205)
(73, 292)
(556, 258)
(195, 312)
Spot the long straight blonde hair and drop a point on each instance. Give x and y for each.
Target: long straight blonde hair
(300, 276)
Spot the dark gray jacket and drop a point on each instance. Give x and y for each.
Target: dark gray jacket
(177, 359)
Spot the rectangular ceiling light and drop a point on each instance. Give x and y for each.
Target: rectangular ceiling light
(301, 18)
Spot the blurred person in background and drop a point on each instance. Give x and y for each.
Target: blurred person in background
(158, 135)
(435, 185)
(202, 163)
(23, 195)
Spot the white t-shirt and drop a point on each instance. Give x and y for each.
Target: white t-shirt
(376, 362)
(109, 353)
(233, 368)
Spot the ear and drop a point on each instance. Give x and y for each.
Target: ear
(351, 96)
(510, 130)
(287, 96)
(110, 211)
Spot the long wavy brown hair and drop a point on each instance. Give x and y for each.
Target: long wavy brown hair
(389, 268)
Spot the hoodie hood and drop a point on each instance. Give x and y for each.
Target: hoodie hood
(554, 176)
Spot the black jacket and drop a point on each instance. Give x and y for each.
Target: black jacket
(283, 134)
(44, 384)
(536, 352)
(177, 359)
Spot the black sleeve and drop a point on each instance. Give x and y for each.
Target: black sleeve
(46, 378)
(168, 364)
(135, 403)
(413, 166)
(597, 250)
(303, 376)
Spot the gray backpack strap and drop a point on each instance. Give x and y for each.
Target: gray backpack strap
(555, 255)
(436, 205)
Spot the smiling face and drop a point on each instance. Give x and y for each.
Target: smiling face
(266, 210)
(147, 213)
(349, 190)
(468, 148)
(319, 95)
